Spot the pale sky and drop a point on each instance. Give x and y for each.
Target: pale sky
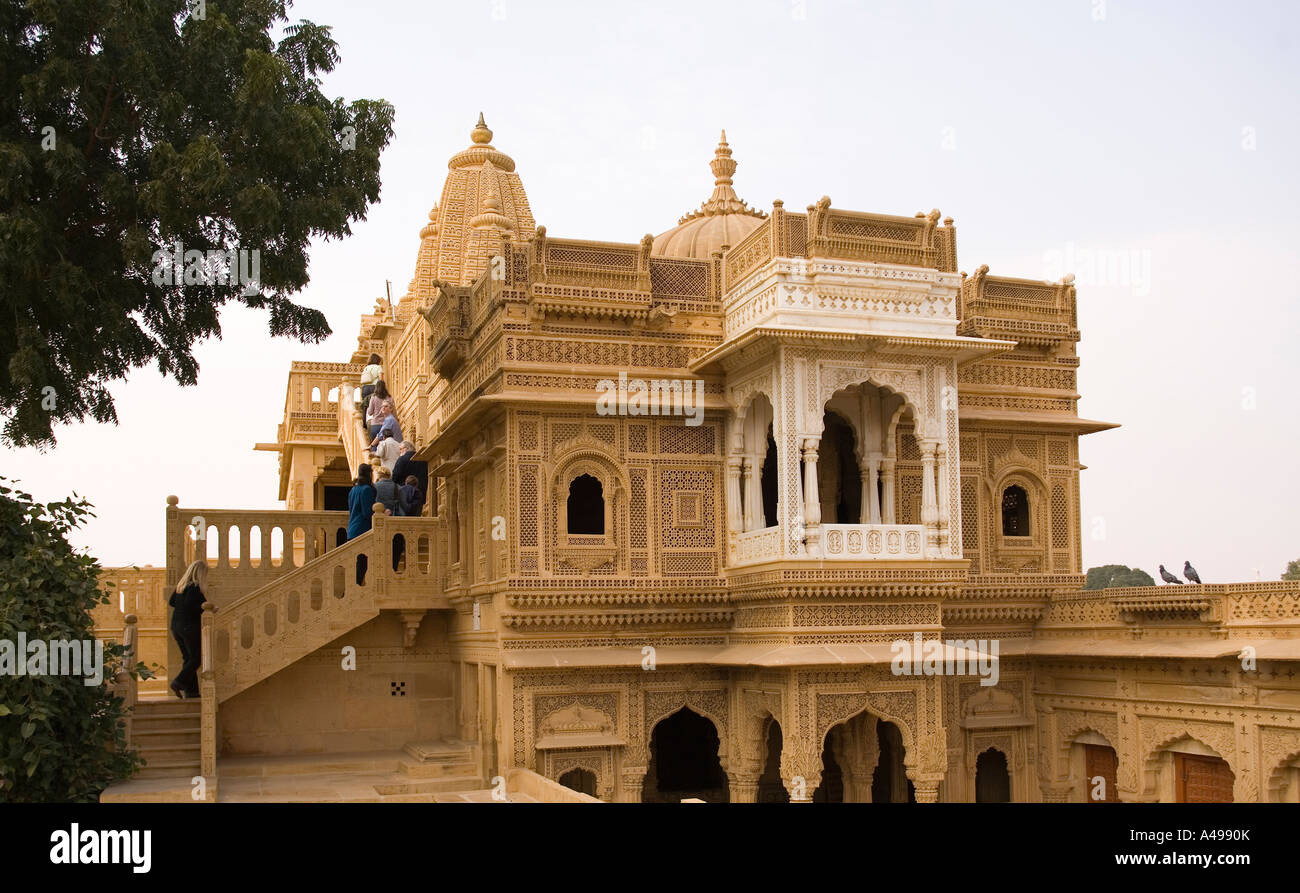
(1159, 138)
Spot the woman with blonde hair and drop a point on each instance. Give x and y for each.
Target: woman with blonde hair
(187, 621)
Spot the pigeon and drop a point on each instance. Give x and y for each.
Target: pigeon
(1168, 577)
(1190, 572)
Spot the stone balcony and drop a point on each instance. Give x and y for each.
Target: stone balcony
(838, 542)
(842, 271)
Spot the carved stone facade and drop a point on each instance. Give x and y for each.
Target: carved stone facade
(825, 441)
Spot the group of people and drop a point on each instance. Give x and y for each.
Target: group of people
(388, 477)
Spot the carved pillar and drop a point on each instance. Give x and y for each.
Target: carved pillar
(811, 502)
(887, 512)
(801, 772)
(631, 789)
(944, 471)
(735, 473)
(753, 508)
(929, 503)
(1055, 792)
(927, 788)
(871, 490)
(743, 787)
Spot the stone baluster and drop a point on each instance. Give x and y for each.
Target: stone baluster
(812, 502)
(126, 682)
(208, 703)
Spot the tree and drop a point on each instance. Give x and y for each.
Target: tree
(60, 739)
(132, 134)
(1292, 571)
(1108, 576)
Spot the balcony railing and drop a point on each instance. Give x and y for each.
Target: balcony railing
(839, 542)
(854, 542)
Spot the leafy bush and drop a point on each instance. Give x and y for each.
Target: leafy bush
(60, 739)
(1108, 576)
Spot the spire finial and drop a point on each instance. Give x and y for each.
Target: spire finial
(480, 134)
(722, 165)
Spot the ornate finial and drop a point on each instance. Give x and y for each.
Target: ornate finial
(722, 165)
(724, 199)
(480, 134)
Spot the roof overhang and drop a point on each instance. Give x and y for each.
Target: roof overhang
(961, 348)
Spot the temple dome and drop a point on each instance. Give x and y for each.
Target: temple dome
(722, 220)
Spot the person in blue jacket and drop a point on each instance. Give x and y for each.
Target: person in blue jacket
(361, 506)
(361, 501)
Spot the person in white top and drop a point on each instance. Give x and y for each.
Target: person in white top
(369, 378)
(388, 451)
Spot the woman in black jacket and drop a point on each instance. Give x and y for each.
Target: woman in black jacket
(187, 621)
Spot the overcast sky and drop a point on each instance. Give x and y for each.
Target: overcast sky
(1161, 138)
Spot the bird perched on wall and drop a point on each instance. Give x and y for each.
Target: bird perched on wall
(1168, 577)
(1190, 572)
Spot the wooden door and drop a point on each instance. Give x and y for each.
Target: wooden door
(1101, 762)
(1202, 779)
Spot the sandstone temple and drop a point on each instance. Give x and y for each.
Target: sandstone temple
(826, 440)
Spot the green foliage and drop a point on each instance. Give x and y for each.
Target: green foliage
(126, 127)
(60, 739)
(1292, 571)
(1108, 576)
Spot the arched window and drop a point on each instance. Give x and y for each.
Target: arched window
(581, 780)
(1015, 511)
(586, 506)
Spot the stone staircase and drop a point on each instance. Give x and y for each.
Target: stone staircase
(428, 773)
(166, 733)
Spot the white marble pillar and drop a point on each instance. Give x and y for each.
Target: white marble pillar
(929, 504)
(734, 472)
(887, 512)
(871, 490)
(811, 501)
(753, 487)
(941, 458)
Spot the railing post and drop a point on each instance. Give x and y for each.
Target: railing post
(125, 680)
(381, 554)
(208, 705)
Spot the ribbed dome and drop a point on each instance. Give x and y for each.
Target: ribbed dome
(722, 220)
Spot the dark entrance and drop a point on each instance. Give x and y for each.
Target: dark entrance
(889, 783)
(684, 761)
(767, 480)
(581, 780)
(770, 787)
(992, 781)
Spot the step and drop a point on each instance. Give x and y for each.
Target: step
(176, 768)
(308, 764)
(451, 784)
(151, 738)
(416, 769)
(169, 707)
(169, 755)
(170, 724)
